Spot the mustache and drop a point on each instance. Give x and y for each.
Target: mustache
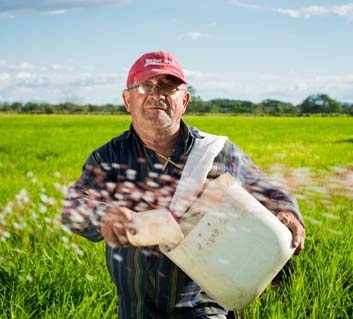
(157, 103)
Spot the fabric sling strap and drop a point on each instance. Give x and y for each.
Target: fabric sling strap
(195, 171)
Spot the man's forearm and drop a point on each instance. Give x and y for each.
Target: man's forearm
(81, 214)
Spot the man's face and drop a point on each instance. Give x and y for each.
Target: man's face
(159, 109)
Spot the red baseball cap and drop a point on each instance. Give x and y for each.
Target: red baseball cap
(153, 64)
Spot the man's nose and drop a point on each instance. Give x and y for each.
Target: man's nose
(156, 90)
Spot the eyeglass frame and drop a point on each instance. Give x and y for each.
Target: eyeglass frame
(139, 87)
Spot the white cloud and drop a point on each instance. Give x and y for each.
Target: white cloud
(21, 66)
(94, 80)
(55, 12)
(194, 35)
(23, 75)
(55, 66)
(6, 15)
(241, 4)
(296, 88)
(328, 82)
(268, 77)
(345, 10)
(306, 12)
(4, 77)
(291, 87)
(315, 10)
(289, 12)
(10, 7)
(197, 75)
(53, 83)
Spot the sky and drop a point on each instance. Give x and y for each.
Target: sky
(81, 50)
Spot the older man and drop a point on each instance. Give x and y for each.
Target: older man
(155, 149)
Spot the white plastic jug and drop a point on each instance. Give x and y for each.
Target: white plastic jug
(155, 227)
(236, 248)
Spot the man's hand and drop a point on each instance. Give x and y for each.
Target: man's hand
(115, 222)
(298, 231)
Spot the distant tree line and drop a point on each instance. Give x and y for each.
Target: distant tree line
(313, 104)
(64, 108)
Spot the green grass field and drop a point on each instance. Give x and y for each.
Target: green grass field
(46, 272)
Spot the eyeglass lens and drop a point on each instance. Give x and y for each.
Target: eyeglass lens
(162, 87)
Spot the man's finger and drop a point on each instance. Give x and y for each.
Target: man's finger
(121, 214)
(119, 232)
(298, 232)
(109, 236)
(113, 229)
(296, 228)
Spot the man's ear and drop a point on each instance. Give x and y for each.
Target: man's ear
(126, 98)
(186, 100)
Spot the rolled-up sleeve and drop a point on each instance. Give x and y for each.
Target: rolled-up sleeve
(83, 204)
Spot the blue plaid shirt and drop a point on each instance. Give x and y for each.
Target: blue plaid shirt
(149, 285)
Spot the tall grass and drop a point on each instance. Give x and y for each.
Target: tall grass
(45, 272)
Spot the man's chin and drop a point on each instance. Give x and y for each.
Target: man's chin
(159, 120)
(159, 124)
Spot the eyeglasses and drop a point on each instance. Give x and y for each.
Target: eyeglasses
(163, 88)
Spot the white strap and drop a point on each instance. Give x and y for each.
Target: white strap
(195, 171)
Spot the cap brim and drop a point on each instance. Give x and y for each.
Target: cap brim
(143, 76)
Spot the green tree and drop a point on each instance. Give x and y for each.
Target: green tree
(31, 107)
(16, 107)
(50, 109)
(271, 106)
(320, 103)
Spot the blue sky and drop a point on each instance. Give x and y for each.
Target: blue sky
(81, 50)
